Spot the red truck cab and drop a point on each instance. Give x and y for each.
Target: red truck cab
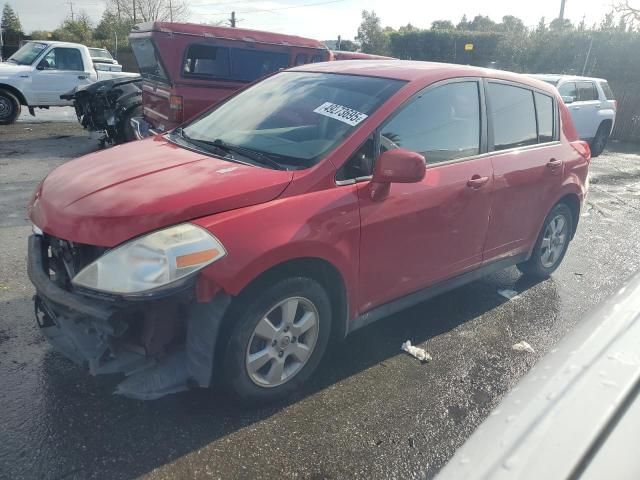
(187, 68)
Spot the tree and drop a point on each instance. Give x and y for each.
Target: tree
(443, 25)
(481, 23)
(558, 25)
(511, 24)
(463, 24)
(630, 14)
(110, 28)
(41, 35)
(371, 36)
(78, 30)
(10, 20)
(149, 10)
(542, 26)
(348, 46)
(608, 23)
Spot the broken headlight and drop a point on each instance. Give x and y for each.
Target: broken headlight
(152, 261)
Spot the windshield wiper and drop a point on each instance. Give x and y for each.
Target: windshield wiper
(247, 152)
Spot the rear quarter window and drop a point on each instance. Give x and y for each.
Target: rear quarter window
(546, 117)
(147, 59)
(607, 91)
(587, 91)
(513, 116)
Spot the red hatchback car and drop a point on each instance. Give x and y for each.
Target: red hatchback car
(325, 197)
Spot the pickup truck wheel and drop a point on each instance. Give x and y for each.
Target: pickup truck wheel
(600, 140)
(552, 243)
(9, 108)
(277, 341)
(125, 133)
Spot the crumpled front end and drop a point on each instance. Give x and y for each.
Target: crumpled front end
(162, 344)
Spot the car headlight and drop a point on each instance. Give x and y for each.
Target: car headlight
(152, 261)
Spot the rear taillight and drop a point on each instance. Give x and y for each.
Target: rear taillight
(582, 148)
(175, 107)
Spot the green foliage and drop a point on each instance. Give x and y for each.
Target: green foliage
(78, 30)
(371, 36)
(444, 25)
(348, 46)
(110, 28)
(10, 20)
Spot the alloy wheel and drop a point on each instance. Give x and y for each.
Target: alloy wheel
(282, 342)
(553, 241)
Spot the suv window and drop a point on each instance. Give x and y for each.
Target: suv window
(63, 59)
(513, 116)
(442, 123)
(568, 90)
(607, 91)
(544, 112)
(207, 60)
(587, 91)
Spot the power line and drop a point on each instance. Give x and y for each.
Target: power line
(283, 8)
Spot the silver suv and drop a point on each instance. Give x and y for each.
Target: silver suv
(592, 107)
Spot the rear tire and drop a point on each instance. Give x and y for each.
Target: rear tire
(295, 314)
(9, 108)
(551, 245)
(599, 142)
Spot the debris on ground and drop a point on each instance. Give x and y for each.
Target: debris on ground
(523, 347)
(417, 352)
(509, 294)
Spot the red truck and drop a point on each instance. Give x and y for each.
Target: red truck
(187, 68)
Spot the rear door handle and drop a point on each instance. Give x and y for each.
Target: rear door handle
(82, 77)
(477, 181)
(553, 163)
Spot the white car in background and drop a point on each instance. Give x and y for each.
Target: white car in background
(592, 107)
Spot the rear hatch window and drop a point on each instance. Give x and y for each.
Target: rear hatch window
(607, 91)
(147, 59)
(235, 64)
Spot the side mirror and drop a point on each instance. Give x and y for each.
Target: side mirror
(567, 99)
(396, 166)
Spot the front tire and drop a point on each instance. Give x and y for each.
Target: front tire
(277, 341)
(9, 108)
(551, 245)
(599, 142)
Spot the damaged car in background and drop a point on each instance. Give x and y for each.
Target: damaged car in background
(108, 107)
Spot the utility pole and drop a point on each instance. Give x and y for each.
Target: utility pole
(1, 43)
(71, 6)
(170, 12)
(134, 12)
(561, 17)
(339, 42)
(232, 20)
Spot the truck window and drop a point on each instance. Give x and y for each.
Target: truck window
(27, 53)
(301, 59)
(207, 60)
(250, 65)
(568, 90)
(63, 59)
(147, 60)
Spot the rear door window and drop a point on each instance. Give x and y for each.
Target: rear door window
(207, 60)
(513, 116)
(587, 91)
(568, 90)
(147, 59)
(443, 123)
(545, 115)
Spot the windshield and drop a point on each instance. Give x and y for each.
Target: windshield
(100, 53)
(147, 59)
(28, 53)
(294, 118)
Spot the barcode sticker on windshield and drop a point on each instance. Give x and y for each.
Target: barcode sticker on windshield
(344, 114)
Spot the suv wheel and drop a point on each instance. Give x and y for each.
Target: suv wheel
(9, 108)
(600, 140)
(277, 340)
(551, 245)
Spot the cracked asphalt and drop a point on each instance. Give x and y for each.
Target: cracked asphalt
(371, 411)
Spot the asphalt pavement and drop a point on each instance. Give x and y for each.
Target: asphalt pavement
(371, 412)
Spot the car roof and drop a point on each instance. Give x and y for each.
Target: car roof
(410, 71)
(57, 43)
(243, 34)
(557, 77)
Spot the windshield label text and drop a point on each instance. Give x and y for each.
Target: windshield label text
(341, 113)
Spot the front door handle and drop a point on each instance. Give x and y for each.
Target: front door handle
(82, 77)
(477, 181)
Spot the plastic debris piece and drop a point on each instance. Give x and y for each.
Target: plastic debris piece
(523, 347)
(509, 294)
(417, 352)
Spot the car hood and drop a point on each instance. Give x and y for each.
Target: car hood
(108, 197)
(8, 69)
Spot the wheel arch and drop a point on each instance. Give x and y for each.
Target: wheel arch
(572, 201)
(14, 91)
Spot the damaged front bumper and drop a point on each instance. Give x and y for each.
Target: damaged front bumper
(161, 345)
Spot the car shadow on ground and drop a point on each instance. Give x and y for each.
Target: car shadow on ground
(80, 410)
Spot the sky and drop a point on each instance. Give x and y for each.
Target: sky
(325, 19)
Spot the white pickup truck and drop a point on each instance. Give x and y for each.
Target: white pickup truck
(39, 72)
